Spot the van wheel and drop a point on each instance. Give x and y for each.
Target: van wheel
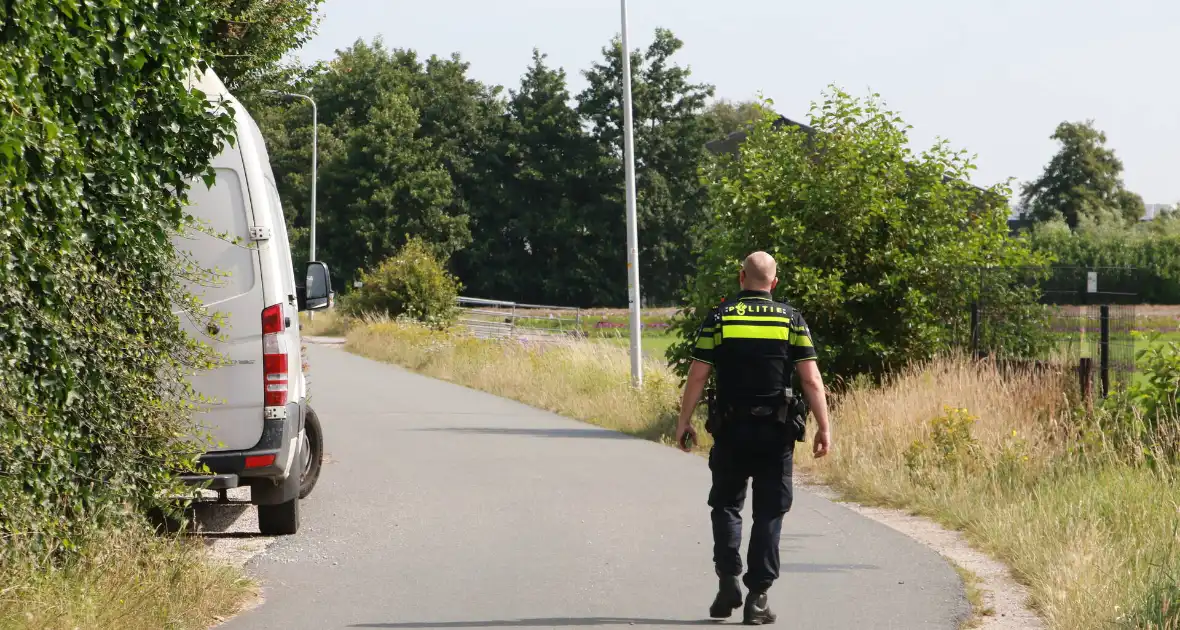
(311, 453)
(279, 520)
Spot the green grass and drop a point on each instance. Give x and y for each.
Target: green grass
(971, 586)
(653, 345)
(1073, 348)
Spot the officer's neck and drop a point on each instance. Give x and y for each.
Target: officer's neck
(759, 293)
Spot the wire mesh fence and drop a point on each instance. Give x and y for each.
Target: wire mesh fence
(1081, 318)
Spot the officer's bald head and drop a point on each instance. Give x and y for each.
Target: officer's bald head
(758, 272)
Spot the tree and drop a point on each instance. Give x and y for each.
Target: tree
(1082, 182)
(725, 116)
(670, 137)
(249, 38)
(386, 187)
(367, 96)
(460, 117)
(540, 235)
(876, 245)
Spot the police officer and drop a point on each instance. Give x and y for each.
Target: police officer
(754, 344)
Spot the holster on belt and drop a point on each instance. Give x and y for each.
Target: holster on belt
(712, 419)
(785, 407)
(797, 415)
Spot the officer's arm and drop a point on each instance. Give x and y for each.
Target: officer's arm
(813, 392)
(698, 375)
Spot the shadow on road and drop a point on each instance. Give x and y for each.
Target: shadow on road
(807, 567)
(553, 433)
(542, 623)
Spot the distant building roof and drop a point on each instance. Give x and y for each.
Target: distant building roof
(1152, 210)
(730, 143)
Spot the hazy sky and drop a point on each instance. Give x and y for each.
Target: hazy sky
(993, 77)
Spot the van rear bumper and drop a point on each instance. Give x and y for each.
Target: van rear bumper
(240, 467)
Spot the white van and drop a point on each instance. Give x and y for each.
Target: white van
(266, 436)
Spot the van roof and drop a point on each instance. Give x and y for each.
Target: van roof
(211, 85)
(216, 93)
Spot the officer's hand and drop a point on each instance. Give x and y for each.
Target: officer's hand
(823, 441)
(683, 431)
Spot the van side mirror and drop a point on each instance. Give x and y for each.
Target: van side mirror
(317, 294)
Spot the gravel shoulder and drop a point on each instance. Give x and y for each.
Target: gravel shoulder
(1004, 599)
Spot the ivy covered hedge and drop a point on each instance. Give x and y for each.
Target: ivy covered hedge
(98, 135)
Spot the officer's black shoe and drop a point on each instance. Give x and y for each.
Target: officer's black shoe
(757, 612)
(729, 597)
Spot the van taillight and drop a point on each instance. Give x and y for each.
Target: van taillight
(274, 356)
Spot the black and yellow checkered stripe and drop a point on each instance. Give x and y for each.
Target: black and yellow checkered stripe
(758, 323)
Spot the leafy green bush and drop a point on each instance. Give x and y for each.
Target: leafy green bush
(98, 139)
(1141, 420)
(878, 246)
(949, 449)
(414, 283)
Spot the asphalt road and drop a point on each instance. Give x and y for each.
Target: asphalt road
(444, 507)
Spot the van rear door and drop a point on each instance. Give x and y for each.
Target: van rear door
(233, 417)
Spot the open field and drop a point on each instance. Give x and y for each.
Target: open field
(654, 345)
(610, 325)
(1092, 536)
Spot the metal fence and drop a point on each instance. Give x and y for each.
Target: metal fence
(1084, 319)
(492, 319)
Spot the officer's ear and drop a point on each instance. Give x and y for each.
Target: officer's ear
(774, 283)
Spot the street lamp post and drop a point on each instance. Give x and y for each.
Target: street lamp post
(314, 153)
(632, 229)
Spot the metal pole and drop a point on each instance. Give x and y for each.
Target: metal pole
(1104, 349)
(315, 137)
(632, 230)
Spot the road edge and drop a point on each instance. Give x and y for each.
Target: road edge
(1003, 597)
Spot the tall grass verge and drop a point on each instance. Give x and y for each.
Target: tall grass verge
(1092, 531)
(328, 323)
(123, 581)
(1087, 523)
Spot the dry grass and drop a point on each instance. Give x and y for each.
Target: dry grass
(128, 581)
(1094, 539)
(327, 323)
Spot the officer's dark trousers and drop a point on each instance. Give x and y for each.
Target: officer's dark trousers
(761, 449)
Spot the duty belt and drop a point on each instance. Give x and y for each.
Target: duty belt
(756, 406)
(760, 405)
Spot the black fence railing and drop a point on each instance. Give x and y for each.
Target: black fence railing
(1083, 319)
